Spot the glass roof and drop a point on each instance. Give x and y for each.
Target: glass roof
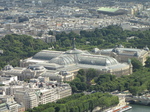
(47, 55)
(97, 60)
(63, 60)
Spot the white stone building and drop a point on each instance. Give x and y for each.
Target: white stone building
(75, 59)
(7, 79)
(124, 54)
(29, 98)
(33, 94)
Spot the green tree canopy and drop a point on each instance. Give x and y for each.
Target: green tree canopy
(136, 64)
(147, 62)
(18, 47)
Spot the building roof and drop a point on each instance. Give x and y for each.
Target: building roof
(34, 67)
(125, 51)
(73, 60)
(99, 60)
(107, 9)
(47, 54)
(3, 107)
(116, 67)
(63, 60)
(76, 51)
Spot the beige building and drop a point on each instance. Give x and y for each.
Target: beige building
(54, 93)
(34, 96)
(7, 79)
(11, 89)
(35, 71)
(59, 76)
(28, 98)
(47, 95)
(64, 91)
(125, 54)
(23, 73)
(30, 95)
(8, 104)
(3, 107)
(73, 60)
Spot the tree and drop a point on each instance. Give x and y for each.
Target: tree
(2, 84)
(81, 72)
(148, 85)
(90, 74)
(136, 64)
(104, 78)
(50, 32)
(18, 47)
(147, 62)
(134, 90)
(51, 109)
(81, 86)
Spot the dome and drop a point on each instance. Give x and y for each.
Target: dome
(63, 60)
(121, 46)
(8, 67)
(95, 50)
(137, 54)
(64, 73)
(75, 51)
(146, 48)
(111, 61)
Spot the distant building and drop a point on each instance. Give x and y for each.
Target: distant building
(111, 11)
(50, 38)
(47, 38)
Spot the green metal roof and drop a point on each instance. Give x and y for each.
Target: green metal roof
(106, 9)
